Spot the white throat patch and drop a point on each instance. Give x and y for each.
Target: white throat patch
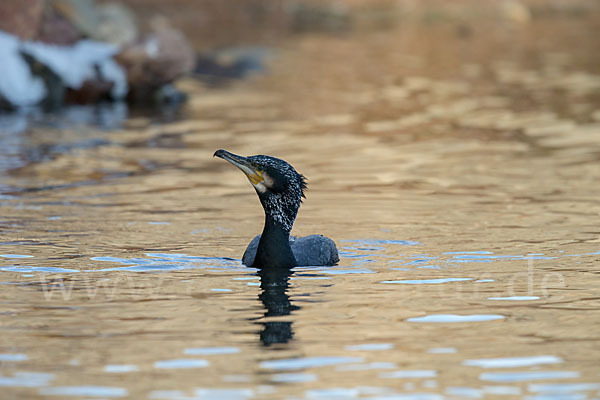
(261, 187)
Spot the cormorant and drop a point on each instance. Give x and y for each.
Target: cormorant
(280, 190)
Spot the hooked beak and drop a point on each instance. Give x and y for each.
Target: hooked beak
(247, 167)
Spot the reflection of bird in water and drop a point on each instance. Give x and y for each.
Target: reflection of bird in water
(274, 284)
(280, 189)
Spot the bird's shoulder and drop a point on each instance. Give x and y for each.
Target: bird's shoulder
(250, 253)
(314, 250)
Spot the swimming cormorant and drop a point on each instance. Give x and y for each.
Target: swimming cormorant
(280, 190)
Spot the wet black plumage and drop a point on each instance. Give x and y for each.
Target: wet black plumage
(280, 190)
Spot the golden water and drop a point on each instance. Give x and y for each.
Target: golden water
(451, 171)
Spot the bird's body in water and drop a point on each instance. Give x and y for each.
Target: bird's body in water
(280, 190)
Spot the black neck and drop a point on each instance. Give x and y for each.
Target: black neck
(274, 249)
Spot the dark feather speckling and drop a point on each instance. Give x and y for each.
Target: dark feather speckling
(282, 205)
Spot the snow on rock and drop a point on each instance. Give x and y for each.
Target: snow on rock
(78, 63)
(18, 85)
(87, 60)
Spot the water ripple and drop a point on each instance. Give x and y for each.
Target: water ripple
(181, 363)
(512, 362)
(442, 350)
(201, 351)
(428, 281)
(13, 357)
(120, 368)
(370, 347)
(28, 268)
(26, 379)
(85, 391)
(456, 318)
(15, 256)
(515, 298)
(366, 367)
(527, 376)
(562, 387)
(289, 378)
(423, 373)
(308, 362)
(169, 262)
(382, 241)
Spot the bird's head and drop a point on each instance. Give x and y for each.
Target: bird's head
(278, 185)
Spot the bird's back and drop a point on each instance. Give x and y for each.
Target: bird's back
(313, 250)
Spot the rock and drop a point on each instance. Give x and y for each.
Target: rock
(21, 18)
(55, 89)
(234, 63)
(320, 16)
(81, 13)
(56, 29)
(32, 72)
(87, 61)
(111, 22)
(116, 24)
(157, 60)
(55, 64)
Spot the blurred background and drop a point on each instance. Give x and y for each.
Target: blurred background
(61, 52)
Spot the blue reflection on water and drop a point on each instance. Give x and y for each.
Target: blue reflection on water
(493, 257)
(402, 374)
(512, 362)
(294, 377)
(181, 363)
(85, 391)
(562, 387)
(28, 268)
(13, 357)
(15, 256)
(521, 376)
(370, 347)
(308, 362)
(201, 351)
(170, 262)
(382, 241)
(366, 367)
(558, 396)
(502, 390)
(120, 368)
(468, 261)
(464, 392)
(365, 251)
(515, 298)
(468, 252)
(335, 271)
(204, 394)
(26, 379)
(442, 350)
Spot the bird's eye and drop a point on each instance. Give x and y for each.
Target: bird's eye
(259, 168)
